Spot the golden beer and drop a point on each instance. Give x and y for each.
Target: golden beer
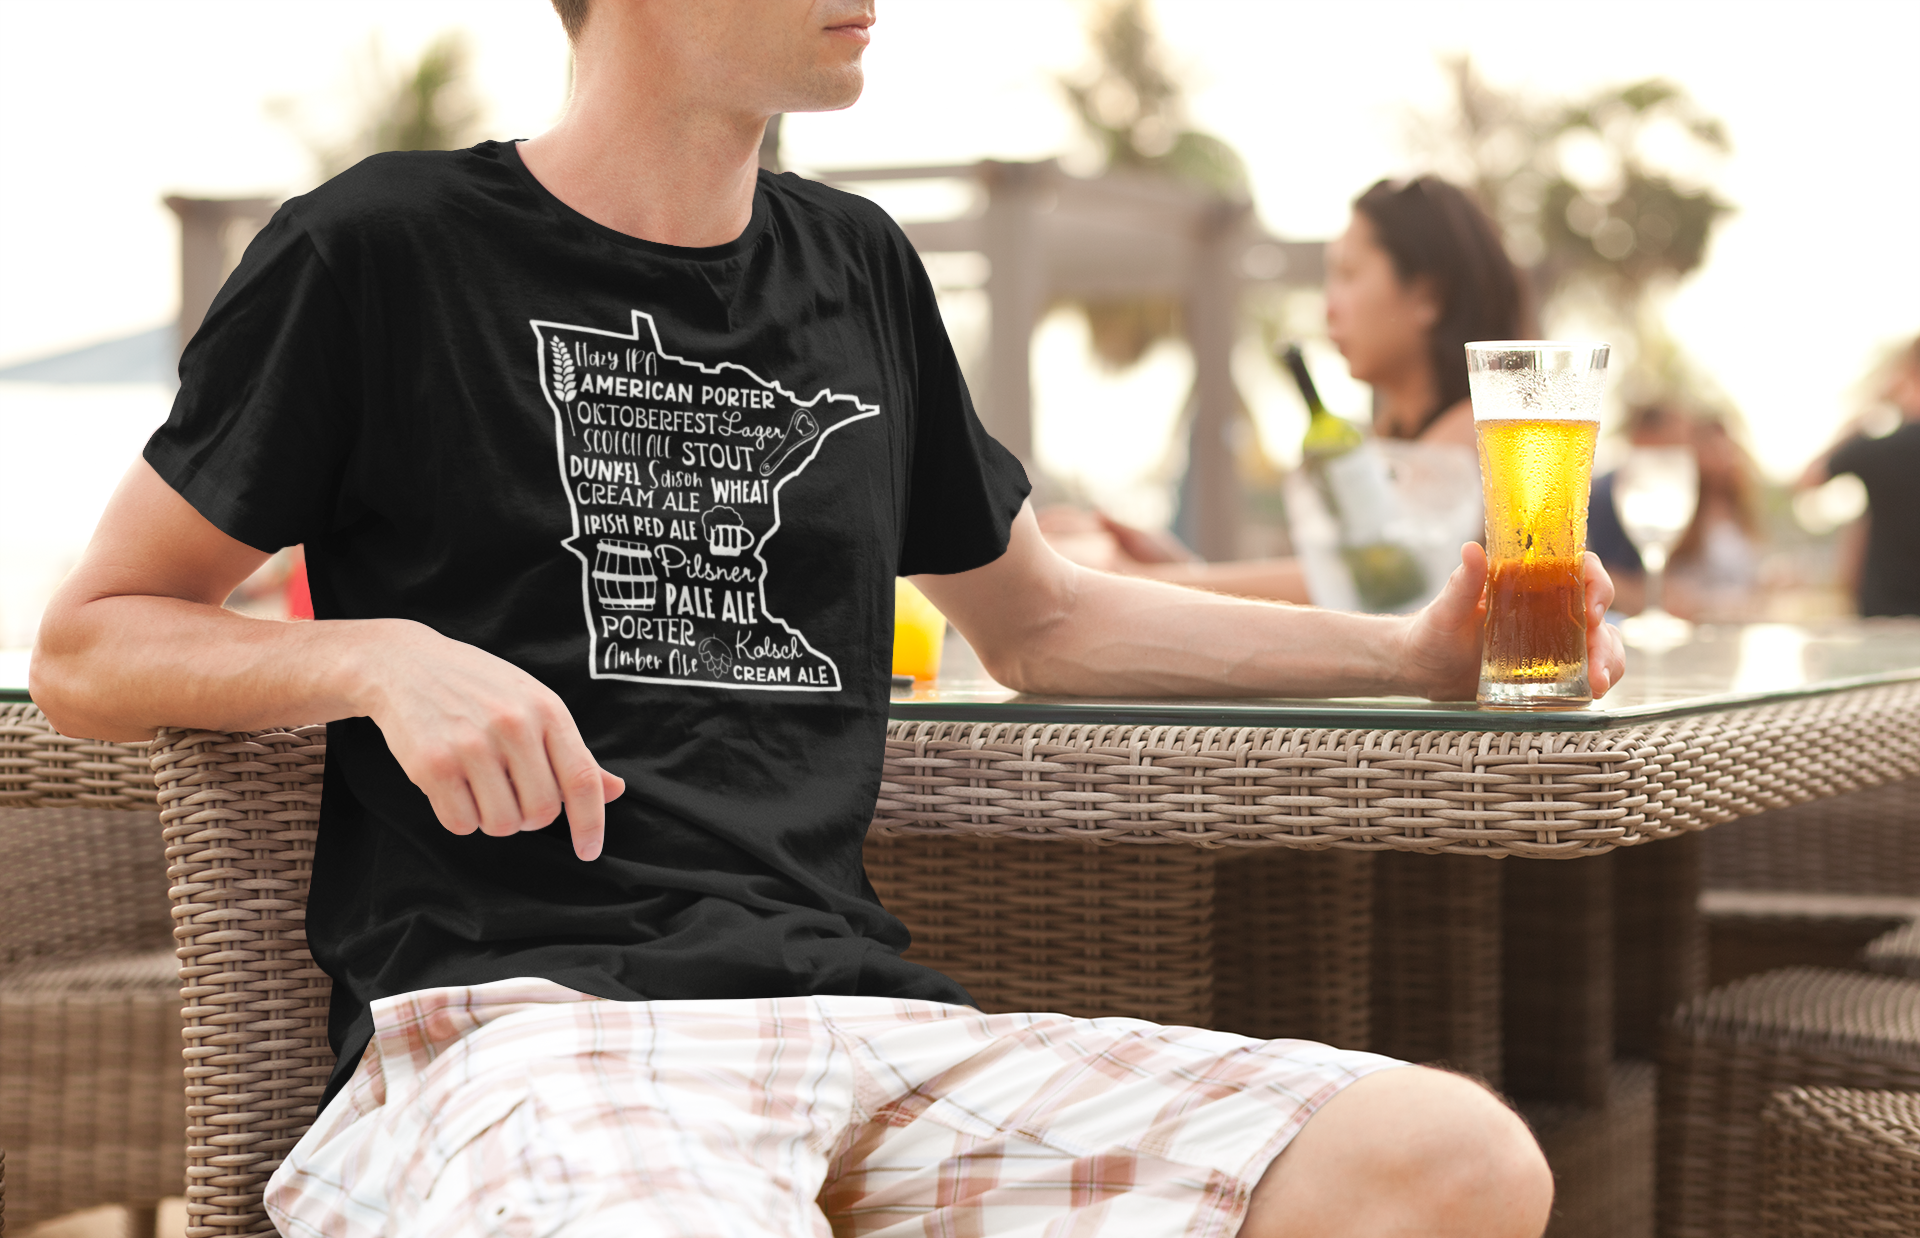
(1536, 473)
(1536, 408)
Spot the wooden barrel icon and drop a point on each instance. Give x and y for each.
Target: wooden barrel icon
(623, 576)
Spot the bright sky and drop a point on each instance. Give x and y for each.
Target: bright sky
(1816, 272)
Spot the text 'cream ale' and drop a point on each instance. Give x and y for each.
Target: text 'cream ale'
(1536, 409)
(1536, 474)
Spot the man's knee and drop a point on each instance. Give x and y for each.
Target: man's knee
(1416, 1147)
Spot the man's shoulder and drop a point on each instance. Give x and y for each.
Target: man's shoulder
(824, 205)
(401, 186)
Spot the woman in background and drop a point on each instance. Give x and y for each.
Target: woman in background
(1419, 272)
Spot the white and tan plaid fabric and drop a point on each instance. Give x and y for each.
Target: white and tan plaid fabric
(524, 1109)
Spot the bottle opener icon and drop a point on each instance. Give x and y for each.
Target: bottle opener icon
(803, 429)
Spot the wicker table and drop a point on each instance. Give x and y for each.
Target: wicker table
(1548, 979)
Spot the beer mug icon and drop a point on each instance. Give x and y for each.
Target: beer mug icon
(623, 576)
(727, 534)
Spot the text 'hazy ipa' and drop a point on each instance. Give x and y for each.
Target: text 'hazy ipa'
(1536, 474)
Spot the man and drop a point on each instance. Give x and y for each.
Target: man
(1887, 578)
(603, 450)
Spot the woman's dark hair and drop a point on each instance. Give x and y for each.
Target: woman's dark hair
(1433, 230)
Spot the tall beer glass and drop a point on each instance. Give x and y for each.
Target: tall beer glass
(1536, 408)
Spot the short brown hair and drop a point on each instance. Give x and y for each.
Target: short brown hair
(573, 16)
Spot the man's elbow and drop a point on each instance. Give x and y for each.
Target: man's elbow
(56, 677)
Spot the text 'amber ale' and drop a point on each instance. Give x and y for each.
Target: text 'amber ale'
(1536, 473)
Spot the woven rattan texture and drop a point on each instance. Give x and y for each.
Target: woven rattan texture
(1867, 842)
(1659, 946)
(1749, 941)
(40, 768)
(1895, 953)
(239, 815)
(90, 1104)
(1726, 1052)
(76, 882)
(1436, 962)
(1547, 795)
(1293, 944)
(1557, 980)
(1087, 931)
(1602, 1157)
(1841, 1163)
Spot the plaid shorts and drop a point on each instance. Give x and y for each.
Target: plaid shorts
(522, 1108)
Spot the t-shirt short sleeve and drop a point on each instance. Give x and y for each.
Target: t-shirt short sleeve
(262, 424)
(964, 489)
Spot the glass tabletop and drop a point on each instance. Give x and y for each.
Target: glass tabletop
(1721, 667)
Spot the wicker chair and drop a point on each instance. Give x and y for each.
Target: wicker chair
(1724, 1055)
(1602, 1158)
(1841, 1163)
(90, 1103)
(1863, 842)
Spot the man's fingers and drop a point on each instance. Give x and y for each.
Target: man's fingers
(453, 805)
(1459, 601)
(1599, 587)
(493, 796)
(584, 789)
(1606, 658)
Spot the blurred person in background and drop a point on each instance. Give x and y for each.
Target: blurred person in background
(604, 954)
(1716, 564)
(1418, 274)
(1889, 576)
(1716, 567)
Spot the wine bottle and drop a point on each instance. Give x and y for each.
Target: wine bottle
(1352, 479)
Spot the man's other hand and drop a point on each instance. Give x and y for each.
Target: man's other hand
(1444, 639)
(137, 639)
(493, 748)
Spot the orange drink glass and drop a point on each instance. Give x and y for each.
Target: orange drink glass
(919, 629)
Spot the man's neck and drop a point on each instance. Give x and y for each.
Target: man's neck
(631, 156)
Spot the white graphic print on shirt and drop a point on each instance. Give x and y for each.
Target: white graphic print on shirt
(673, 470)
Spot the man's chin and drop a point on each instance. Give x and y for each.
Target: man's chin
(830, 90)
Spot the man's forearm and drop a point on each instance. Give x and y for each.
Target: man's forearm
(1111, 635)
(116, 668)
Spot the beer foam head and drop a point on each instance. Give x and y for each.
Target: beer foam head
(1536, 380)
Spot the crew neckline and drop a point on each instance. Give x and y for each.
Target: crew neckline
(756, 223)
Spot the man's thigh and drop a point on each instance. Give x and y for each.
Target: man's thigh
(1129, 1128)
(702, 1119)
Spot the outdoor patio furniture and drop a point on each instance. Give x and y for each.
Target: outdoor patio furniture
(1726, 1052)
(1602, 1157)
(1754, 931)
(1410, 798)
(90, 1102)
(1895, 952)
(1841, 1163)
(1863, 842)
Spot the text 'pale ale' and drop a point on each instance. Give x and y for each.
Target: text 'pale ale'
(1536, 473)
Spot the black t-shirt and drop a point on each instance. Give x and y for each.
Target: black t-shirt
(674, 485)
(1890, 467)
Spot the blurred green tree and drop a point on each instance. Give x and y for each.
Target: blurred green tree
(1606, 200)
(1132, 108)
(427, 105)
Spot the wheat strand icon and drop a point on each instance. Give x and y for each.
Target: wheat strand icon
(563, 385)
